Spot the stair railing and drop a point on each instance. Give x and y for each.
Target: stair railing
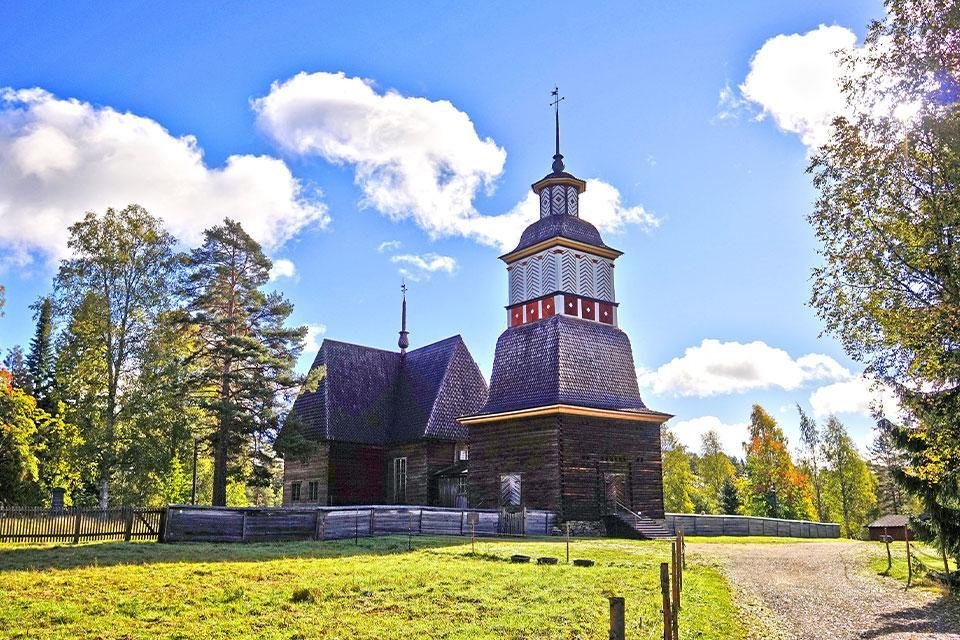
(623, 507)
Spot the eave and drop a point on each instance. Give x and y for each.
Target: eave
(647, 415)
(560, 241)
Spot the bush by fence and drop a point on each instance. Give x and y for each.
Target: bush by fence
(711, 525)
(187, 523)
(28, 524)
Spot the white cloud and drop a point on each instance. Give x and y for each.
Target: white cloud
(282, 268)
(853, 396)
(729, 104)
(732, 436)
(60, 158)
(311, 343)
(414, 158)
(795, 80)
(716, 368)
(421, 267)
(388, 246)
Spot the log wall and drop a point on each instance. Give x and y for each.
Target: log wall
(710, 525)
(187, 523)
(315, 468)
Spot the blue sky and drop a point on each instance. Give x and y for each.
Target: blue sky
(365, 140)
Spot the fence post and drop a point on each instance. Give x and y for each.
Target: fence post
(356, 526)
(909, 560)
(568, 541)
(243, 526)
(76, 528)
(162, 526)
(617, 624)
(665, 593)
(675, 609)
(128, 523)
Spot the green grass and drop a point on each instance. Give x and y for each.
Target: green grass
(378, 589)
(928, 556)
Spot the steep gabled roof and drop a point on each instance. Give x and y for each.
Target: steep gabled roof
(563, 360)
(372, 396)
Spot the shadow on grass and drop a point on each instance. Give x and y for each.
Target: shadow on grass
(100, 554)
(940, 616)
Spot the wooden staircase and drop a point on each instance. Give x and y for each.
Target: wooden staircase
(625, 523)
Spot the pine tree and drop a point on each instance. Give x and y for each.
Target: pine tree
(40, 360)
(247, 350)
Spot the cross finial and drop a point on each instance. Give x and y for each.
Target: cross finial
(557, 157)
(404, 341)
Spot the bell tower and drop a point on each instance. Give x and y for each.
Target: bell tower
(564, 427)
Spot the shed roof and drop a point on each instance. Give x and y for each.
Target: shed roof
(890, 520)
(373, 396)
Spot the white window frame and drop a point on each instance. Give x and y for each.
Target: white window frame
(400, 480)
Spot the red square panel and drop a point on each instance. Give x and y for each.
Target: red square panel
(606, 312)
(516, 316)
(533, 311)
(588, 309)
(570, 306)
(547, 307)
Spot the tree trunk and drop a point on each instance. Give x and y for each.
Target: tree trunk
(220, 466)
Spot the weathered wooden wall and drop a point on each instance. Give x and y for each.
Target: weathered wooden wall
(590, 447)
(314, 468)
(424, 458)
(356, 474)
(710, 525)
(186, 523)
(529, 447)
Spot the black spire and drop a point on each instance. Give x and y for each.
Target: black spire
(557, 157)
(403, 342)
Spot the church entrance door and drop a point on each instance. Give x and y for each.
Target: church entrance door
(614, 490)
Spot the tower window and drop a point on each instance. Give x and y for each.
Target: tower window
(313, 489)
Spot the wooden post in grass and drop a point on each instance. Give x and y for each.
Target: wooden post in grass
(76, 528)
(127, 523)
(618, 627)
(683, 553)
(675, 591)
(886, 540)
(665, 592)
(356, 526)
(568, 542)
(946, 568)
(410, 530)
(909, 560)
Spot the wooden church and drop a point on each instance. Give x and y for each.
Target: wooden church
(562, 427)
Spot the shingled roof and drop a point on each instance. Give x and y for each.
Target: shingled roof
(372, 396)
(570, 227)
(563, 360)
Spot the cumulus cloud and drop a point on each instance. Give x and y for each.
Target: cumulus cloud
(795, 80)
(282, 268)
(60, 158)
(421, 267)
(732, 436)
(858, 395)
(716, 368)
(413, 158)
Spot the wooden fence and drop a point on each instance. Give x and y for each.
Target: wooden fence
(187, 523)
(26, 524)
(708, 525)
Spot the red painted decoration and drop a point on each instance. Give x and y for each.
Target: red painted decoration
(533, 311)
(570, 307)
(516, 316)
(587, 310)
(548, 309)
(606, 312)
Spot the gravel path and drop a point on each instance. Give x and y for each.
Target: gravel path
(825, 591)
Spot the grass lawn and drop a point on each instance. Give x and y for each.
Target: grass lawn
(928, 556)
(377, 589)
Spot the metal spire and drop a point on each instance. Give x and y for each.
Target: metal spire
(557, 157)
(403, 342)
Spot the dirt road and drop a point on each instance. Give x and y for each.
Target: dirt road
(825, 591)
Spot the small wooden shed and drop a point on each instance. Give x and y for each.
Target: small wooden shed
(893, 525)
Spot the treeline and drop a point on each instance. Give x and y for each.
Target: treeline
(142, 355)
(827, 480)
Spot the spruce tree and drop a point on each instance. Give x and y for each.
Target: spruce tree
(40, 359)
(16, 364)
(247, 350)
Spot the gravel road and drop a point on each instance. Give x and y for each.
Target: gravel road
(825, 591)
